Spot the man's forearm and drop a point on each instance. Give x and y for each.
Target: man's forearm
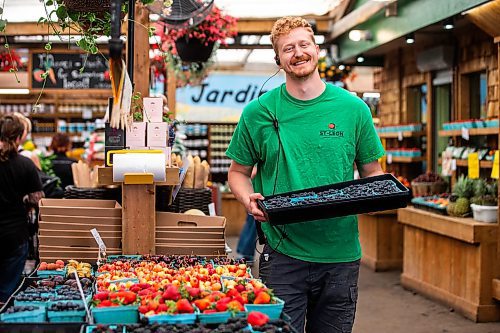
(241, 186)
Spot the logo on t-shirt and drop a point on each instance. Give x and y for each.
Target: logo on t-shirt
(331, 132)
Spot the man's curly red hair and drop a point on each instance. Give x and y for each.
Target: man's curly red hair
(284, 25)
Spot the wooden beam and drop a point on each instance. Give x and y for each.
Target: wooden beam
(486, 17)
(357, 16)
(264, 26)
(141, 51)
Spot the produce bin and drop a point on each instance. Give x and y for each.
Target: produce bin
(358, 196)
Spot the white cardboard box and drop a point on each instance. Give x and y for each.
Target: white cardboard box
(153, 109)
(157, 134)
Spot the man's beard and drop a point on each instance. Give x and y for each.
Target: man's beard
(303, 75)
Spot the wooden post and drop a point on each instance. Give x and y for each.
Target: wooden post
(141, 50)
(138, 219)
(171, 89)
(431, 123)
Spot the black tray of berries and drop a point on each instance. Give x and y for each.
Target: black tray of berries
(358, 196)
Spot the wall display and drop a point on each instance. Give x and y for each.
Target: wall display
(222, 96)
(69, 71)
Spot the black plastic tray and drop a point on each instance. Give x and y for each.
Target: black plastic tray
(337, 208)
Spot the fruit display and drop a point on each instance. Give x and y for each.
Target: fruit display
(180, 290)
(463, 190)
(58, 265)
(428, 184)
(435, 203)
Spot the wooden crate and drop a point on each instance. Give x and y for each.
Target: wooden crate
(452, 260)
(381, 238)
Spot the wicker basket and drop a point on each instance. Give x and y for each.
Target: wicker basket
(94, 6)
(187, 198)
(102, 193)
(422, 189)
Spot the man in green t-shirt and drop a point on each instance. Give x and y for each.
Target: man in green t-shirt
(305, 134)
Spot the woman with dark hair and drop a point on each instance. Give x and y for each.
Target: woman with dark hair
(20, 187)
(61, 164)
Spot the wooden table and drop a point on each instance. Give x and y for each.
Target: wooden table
(381, 238)
(453, 260)
(235, 214)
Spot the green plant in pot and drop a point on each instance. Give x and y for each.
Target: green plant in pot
(484, 204)
(462, 192)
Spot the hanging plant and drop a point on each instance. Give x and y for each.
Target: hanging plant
(188, 51)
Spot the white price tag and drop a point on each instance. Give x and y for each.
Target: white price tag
(87, 114)
(465, 133)
(400, 136)
(453, 165)
(98, 239)
(211, 209)
(389, 158)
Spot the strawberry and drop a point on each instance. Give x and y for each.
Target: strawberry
(105, 303)
(101, 296)
(172, 293)
(221, 306)
(209, 311)
(262, 298)
(183, 306)
(240, 288)
(235, 306)
(202, 304)
(193, 292)
(256, 318)
(129, 297)
(232, 293)
(162, 308)
(143, 309)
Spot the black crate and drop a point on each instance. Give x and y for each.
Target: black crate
(335, 207)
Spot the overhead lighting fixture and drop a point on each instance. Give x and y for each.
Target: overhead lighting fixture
(448, 24)
(341, 67)
(357, 35)
(410, 38)
(360, 59)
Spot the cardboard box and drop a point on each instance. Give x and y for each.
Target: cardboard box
(86, 254)
(189, 249)
(157, 134)
(188, 241)
(80, 207)
(79, 226)
(85, 220)
(153, 109)
(78, 233)
(192, 222)
(112, 242)
(200, 233)
(136, 135)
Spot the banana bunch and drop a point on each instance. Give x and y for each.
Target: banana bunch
(83, 269)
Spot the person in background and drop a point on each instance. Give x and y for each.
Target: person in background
(61, 164)
(304, 134)
(27, 130)
(20, 188)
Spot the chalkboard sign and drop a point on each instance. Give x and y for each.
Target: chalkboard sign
(64, 71)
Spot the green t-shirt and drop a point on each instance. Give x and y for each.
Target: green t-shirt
(321, 140)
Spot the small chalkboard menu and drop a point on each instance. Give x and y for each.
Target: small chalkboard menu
(64, 71)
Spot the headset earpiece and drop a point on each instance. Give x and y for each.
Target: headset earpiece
(277, 59)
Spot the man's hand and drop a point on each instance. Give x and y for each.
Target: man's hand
(253, 208)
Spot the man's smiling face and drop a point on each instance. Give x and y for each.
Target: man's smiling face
(298, 53)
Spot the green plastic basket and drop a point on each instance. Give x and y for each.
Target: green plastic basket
(272, 310)
(35, 316)
(66, 316)
(116, 314)
(214, 318)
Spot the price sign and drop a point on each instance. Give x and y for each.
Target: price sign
(473, 160)
(98, 239)
(389, 158)
(465, 133)
(494, 171)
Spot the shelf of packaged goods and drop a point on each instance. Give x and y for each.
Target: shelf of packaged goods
(465, 163)
(404, 134)
(66, 115)
(42, 134)
(401, 159)
(472, 131)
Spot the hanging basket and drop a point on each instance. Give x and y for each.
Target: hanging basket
(193, 50)
(93, 6)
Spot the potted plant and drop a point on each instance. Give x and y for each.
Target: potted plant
(484, 203)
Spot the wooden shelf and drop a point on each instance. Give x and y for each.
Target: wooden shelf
(408, 159)
(41, 134)
(65, 115)
(405, 134)
(472, 131)
(464, 229)
(465, 163)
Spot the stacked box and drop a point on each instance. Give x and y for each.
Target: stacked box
(65, 226)
(185, 234)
